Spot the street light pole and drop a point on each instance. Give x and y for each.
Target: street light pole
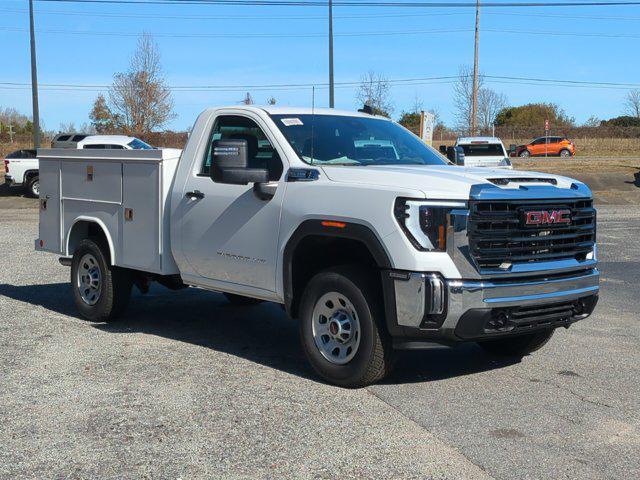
(474, 101)
(331, 100)
(34, 81)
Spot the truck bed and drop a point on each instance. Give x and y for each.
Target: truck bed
(125, 192)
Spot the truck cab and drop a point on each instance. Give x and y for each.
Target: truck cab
(369, 238)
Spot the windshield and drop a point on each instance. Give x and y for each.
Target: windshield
(483, 150)
(137, 144)
(343, 140)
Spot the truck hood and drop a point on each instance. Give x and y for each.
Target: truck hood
(442, 181)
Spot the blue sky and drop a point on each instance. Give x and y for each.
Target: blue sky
(86, 58)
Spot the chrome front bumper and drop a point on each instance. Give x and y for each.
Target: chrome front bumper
(428, 303)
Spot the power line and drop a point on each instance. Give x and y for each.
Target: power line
(319, 34)
(243, 35)
(347, 84)
(555, 33)
(235, 17)
(348, 3)
(313, 17)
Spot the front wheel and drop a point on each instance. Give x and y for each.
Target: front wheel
(517, 346)
(101, 291)
(341, 328)
(565, 153)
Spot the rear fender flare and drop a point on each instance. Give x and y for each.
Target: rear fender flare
(105, 231)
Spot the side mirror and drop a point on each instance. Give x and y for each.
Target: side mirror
(229, 164)
(512, 148)
(456, 155)
(443, 149)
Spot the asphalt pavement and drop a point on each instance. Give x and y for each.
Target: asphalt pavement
(188, 386)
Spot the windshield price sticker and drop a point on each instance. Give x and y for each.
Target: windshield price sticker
(290, 122)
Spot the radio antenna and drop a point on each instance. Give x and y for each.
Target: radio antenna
(313, 109)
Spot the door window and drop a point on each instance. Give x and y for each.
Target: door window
(260, 151)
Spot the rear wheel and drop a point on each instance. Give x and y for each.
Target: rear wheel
(33, 187)
(525, 153)
(565, 153)
(101, 291)
(341, 328)
(517, 346)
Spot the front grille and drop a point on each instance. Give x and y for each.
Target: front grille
(497, 233)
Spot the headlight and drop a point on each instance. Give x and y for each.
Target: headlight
(425, 222)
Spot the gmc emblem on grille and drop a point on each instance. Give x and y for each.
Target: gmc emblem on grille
(547, 217)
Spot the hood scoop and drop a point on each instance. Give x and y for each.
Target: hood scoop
(513, 181)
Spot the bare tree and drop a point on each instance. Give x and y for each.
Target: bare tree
(463, 98)
(632, 103)
(418, 104)
(139, 100)
(592, 122)
(375, 91)
(489, 104)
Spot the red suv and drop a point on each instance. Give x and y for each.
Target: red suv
(552, 146)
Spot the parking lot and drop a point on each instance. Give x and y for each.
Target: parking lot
(187, 386)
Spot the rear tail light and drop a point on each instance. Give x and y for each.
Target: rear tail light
(6, 166)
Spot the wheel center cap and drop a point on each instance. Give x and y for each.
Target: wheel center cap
(334, 328)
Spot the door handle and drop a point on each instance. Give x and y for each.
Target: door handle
(195, 194)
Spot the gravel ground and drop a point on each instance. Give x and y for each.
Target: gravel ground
(188, 386)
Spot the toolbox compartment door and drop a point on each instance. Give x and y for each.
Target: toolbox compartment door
(94, 180)
(141, 217)
(49, 224)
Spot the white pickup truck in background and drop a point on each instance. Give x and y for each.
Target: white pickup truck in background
(21, 166)
(367, 236)
(484, 152)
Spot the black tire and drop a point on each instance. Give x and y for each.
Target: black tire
(517, 346)
(524, 154)
(373, 358)
(33, 187)
(564, 153)
(114, 286)
(240, 301)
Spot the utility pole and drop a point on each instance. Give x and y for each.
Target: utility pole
(331, 101)
(474, 101)
(34, 81)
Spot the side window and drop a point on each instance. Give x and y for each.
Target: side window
(261, 152)
(115, 147)
(94, 146)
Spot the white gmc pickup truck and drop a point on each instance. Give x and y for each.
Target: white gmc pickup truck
(372, 240)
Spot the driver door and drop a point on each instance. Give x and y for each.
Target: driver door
(229, 233)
